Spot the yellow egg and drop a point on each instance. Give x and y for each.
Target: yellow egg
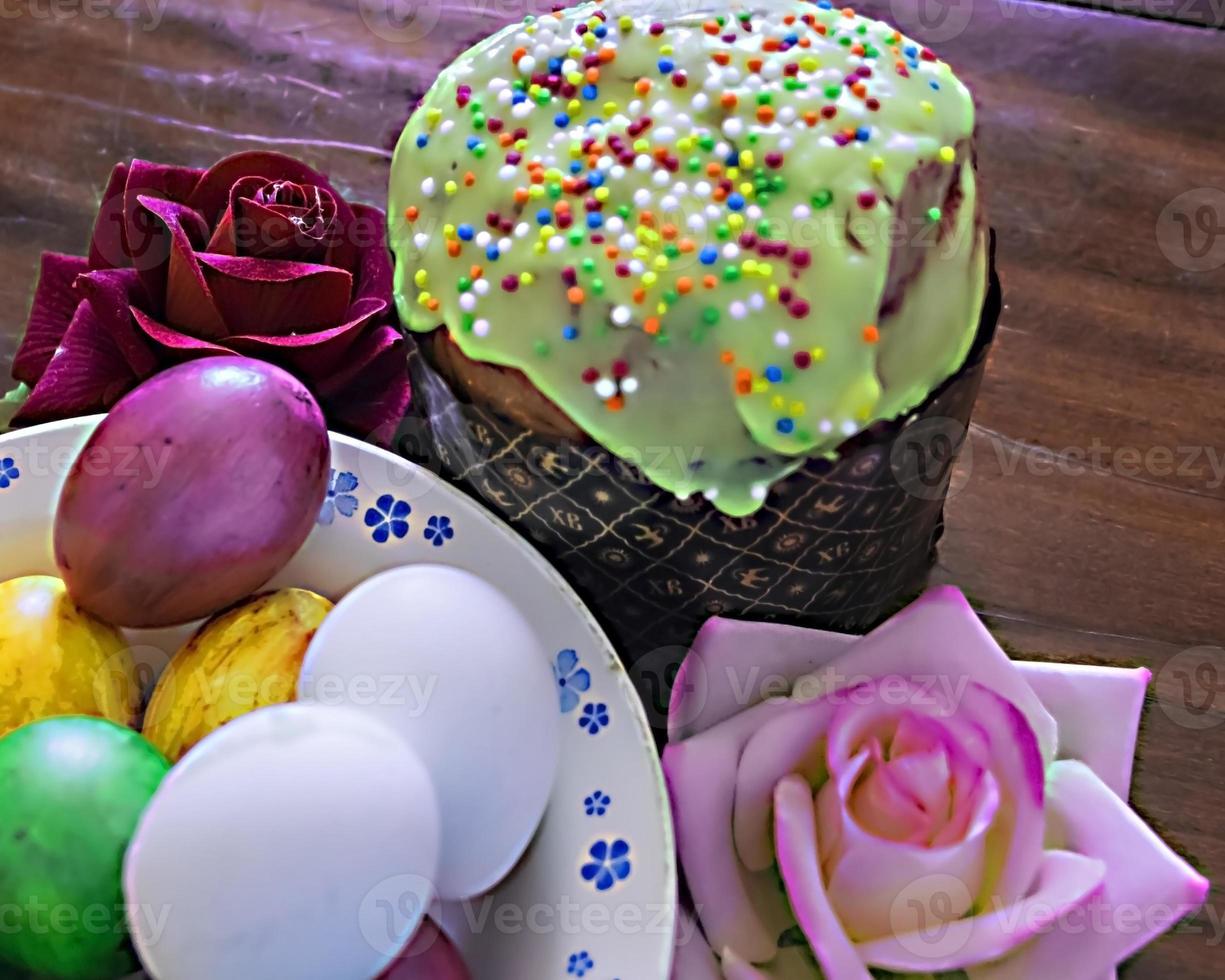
(57, 659)
(245, 658)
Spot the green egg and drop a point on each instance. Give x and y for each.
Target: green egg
(71, 792)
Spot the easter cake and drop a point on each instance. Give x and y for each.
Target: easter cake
(684, 281)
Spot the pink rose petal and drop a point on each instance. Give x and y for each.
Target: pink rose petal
(734, 665)
(938, 641)
(739, 910)
(791, 742)
(1098, 711)
(1147, 888)
(873, 883)
(1064, 882)
(693, 959)
(55, 302)
(796, 835)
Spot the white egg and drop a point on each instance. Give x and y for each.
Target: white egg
(297, 841)
(448, 660)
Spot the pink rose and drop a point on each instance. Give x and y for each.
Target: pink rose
(915, 803)
(259, 255)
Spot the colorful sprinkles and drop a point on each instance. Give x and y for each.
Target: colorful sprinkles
(666, 206)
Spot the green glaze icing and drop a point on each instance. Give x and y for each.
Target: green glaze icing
(689, 231)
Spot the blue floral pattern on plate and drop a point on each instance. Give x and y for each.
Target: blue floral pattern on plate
(597, 804)
(580, 963)
(594, 718)
(340, 499)
(389, 518)
(609, 864)
(9, 473)
(572, 680)
(438, 530)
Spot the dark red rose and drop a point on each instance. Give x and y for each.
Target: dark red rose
(258, 256)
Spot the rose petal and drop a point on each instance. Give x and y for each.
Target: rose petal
(1065, 881)
(172, 340)
(873, 884)
(179, 282)
(1146, 890)
(55, 302)
(734, 665)
(939, 641)
(146, 239)
(371, 260)
(319, 353)
(739, 910)
(268, 297)
(693, 959)
(792, 742)
(1098, 710)
(106, 244)
(111, 293)
(735, 968)
(371, 395)
(796, 835)
(88, 373)
(211, 194)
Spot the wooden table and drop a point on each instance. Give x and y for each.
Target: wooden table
(1090, 520)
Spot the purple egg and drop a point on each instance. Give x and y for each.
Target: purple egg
(195, 490)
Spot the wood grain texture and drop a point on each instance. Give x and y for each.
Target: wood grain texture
(1090, 518)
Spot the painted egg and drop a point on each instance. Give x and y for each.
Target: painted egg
(57, 659)
(71, 792)
(297, 841)
(447, 660)
(192, 493)
(244, 658)
(430, 956)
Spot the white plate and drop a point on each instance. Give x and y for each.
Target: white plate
(596, 894)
